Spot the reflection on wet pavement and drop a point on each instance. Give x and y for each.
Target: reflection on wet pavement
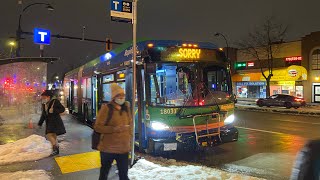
(263, 150)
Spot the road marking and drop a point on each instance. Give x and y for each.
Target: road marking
(295, 121)
(260, 130)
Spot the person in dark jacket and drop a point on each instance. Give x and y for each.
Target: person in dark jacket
(307, 165)
(51, 110)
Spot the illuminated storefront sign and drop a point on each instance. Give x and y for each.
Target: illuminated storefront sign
(293, 72)
(190, 53)
(250, 64)
(294, 58)
(251, 83)
(282, 83)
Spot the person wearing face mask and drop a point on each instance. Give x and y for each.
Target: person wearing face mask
(51, 109)
(116, 134)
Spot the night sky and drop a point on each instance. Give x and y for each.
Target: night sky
(194, 20)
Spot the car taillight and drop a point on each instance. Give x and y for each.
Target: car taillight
(297, 99)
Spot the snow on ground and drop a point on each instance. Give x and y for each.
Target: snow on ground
(26, 175)
(31, 148)
(144, 170)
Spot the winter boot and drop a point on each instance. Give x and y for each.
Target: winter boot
(55, 150)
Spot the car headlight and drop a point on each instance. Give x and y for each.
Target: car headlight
(229, 119)
(159, 126)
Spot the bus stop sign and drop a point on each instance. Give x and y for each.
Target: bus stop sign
(121, 11)
(41, 36)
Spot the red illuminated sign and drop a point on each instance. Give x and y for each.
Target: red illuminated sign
(250, 64)
(294, 58)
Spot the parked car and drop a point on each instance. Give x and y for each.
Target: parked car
(281, 100)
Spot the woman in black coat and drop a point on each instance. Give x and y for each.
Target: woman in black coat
(51, 110)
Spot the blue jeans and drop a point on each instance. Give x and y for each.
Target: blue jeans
(106, 162)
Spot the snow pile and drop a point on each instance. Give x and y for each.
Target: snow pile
(31, 148)
(26, 175)
(144, 170)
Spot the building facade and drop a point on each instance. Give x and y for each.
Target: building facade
(311, 55)
(296, 70)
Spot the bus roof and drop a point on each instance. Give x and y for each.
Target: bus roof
(124, 52)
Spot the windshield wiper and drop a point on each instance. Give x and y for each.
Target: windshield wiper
(157, 89)
(215, 100)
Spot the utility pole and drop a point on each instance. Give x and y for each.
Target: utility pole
(134, 69)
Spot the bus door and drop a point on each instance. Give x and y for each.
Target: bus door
(71, 95)
(94, 87)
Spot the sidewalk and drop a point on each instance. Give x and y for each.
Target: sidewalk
(76, 140)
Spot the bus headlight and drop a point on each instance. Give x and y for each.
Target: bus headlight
(229, 119)
(158, 126)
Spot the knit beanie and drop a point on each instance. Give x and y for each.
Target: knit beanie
(115, 90)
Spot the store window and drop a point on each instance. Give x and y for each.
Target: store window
(251, 89)
(242, 91)
(299, 91)
(316, 59)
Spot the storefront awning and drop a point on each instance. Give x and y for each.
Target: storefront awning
(291, 73)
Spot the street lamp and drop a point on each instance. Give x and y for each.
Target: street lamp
(19, 30)
(228, 61)
(219, 34)
(11, 44)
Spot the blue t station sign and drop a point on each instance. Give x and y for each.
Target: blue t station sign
(41, 36)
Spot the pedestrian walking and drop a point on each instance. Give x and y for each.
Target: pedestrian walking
(51, 109)
(116, 133)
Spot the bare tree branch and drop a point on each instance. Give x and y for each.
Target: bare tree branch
(263, 43)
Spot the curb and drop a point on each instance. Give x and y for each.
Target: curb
(279, 111)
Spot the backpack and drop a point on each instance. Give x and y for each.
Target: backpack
(95, 138)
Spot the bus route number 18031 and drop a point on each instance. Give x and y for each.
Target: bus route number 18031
(168, 111)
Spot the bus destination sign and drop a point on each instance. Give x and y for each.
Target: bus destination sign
(187, 54)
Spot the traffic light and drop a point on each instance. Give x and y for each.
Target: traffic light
(108, 45)
(240, 65)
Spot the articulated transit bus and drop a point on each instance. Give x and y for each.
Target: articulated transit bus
(184, 97)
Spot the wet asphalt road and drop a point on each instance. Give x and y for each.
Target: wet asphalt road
(267, 145)
(266, 148)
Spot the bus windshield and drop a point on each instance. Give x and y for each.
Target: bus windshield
(188, 84)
